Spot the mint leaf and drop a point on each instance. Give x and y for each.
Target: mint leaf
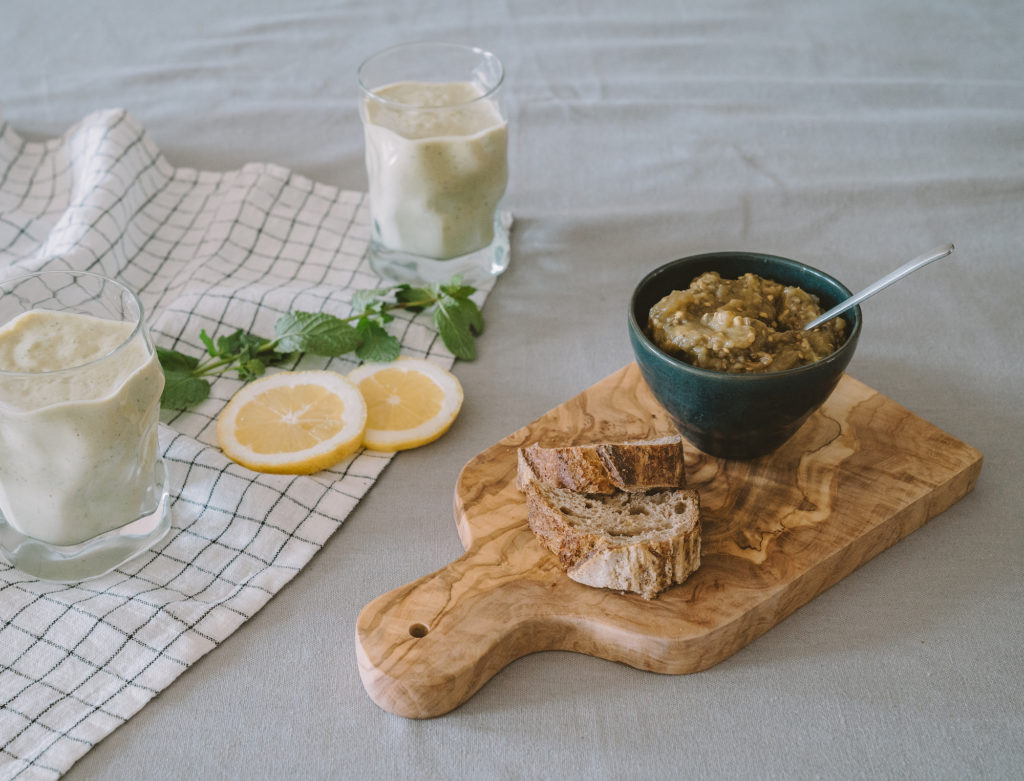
(238, 342)
(181, 388)
(173, 361)
(378, 345)
(315, 332)
(474, 317)
(251, 369)
(415, 299)
(183, 392)
(229, 345)
(455, 289)
(454, 328)
(210, 347)
(364, 300)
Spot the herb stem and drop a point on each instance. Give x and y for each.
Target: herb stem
(421, 304)
(221, 365)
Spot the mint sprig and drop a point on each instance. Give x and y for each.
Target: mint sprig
(455, 316)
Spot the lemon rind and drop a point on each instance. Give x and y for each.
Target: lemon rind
(391, 441)
(322, 456)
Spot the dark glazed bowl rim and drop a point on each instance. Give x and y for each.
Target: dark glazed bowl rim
(839, 354)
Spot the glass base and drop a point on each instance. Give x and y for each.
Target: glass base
(98, 556)
(475, 267)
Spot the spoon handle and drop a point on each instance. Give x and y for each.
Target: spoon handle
(882, 284)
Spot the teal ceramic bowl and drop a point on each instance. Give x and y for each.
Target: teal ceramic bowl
(738, 416)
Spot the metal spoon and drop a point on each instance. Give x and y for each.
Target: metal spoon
(882, 284)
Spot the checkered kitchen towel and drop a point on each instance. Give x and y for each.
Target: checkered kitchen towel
(218, 251)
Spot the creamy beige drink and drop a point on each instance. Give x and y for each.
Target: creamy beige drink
(79, 411)
(436, 157)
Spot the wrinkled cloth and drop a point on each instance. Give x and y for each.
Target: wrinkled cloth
(213, 251)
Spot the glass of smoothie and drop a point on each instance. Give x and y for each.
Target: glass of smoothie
(436, 135)
(82, 487)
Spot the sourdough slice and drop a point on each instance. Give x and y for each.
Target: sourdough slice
(606, 468)
(640, 542)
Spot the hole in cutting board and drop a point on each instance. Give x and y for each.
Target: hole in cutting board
(418, 630)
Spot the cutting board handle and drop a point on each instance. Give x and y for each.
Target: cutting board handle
(861, 474)
(426, 647)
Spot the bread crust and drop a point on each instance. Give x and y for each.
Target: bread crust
(644, 568)
(628, 541)
(606, 468)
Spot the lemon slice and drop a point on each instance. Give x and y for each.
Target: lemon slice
(409, 402)
(293, 422)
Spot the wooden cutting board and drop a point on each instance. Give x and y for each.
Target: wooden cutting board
(859, 476)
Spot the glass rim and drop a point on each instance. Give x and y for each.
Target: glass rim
(6, 284)
(484, 54)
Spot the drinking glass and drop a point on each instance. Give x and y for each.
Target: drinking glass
(436, 135)
(82, 486)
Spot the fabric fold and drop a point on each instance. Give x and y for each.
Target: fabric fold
(204, 250)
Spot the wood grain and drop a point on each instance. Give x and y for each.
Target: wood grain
(860, 475)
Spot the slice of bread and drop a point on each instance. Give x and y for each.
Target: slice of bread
(605, 468)
(628, 541)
